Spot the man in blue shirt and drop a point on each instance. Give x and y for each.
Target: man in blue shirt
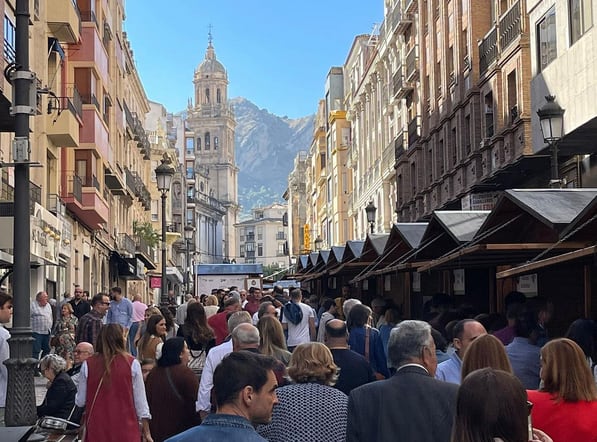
(524, 355)
(121, 310)
(245, 393)
(465, 332)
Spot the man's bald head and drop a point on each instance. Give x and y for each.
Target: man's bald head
(83, 350)
(336, 334)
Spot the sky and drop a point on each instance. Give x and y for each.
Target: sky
(277, 53)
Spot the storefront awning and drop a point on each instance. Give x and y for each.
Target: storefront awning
(173, 274)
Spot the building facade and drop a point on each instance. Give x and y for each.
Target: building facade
(562, 37)
(89, 141)
(263, 238)
(296, 201)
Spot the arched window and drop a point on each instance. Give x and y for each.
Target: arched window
(207, 95)
(207, 141)
(198, 143)
(218, 96)
(216, 142)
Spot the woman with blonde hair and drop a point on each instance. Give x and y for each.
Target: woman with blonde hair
(64, 333)
(273, 342)
(212, 305)
(313, 372)
(112, 391)
(485, 351)
(566, 406)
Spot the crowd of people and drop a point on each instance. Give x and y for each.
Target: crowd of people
(282, 365)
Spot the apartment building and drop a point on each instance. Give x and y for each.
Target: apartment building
(89, 141)
(563, 53)
(263, 238)
(371, 148)
(464, 86)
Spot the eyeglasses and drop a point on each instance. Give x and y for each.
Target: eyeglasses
(80, 351)
(105, 303)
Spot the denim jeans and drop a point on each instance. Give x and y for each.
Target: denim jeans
(131, 338)
(41, 344)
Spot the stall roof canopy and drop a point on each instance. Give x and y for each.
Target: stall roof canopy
(336, 254)
(461, 225)
(584, 226)
(554, 208)
(353, 250)
(411, 233)
(374, 246)
(303, 261)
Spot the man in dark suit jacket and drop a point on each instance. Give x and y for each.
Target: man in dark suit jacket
(411, 405)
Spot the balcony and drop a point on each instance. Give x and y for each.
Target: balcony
(94, 135)
(210, 202)
(131, 181)
(63, 124)
(414, 127)
(399, 147)
(488, 51)
(510, 26)
(145, 252)
(126, 245)
(281, 236)
(64, 21)
(401, 88)
(410, 6)
(114, 181)
(412, 61)
(83, 199)
(92, 50)
(400, 20)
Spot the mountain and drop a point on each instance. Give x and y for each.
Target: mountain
(266, 146)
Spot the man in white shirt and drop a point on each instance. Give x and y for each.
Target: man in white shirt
(299, 320)
(5, 316)
(214, 357)
(41, 324)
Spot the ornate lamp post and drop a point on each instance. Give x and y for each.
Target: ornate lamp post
(318, 242)
(551, 117)
(189, 231)
(164, 173)
(370, 211)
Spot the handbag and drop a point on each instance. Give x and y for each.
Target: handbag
(83, 431)
(197, 361)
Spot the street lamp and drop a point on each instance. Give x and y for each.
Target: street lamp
(188, 236)
(164, 173)
(551, 117)
(370, 211)
(318, 242)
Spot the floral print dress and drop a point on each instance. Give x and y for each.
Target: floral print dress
(65, 335)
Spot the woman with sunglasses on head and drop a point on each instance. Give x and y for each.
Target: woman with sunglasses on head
(566, 405)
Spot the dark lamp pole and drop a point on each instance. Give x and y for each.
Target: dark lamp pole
(370, 211)
(551, 117)
(164, 173)
(189, 231)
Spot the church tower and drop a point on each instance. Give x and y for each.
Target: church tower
(211, 121)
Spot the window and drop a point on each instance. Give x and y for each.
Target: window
(242, 251)
(218, 96)
(581, 18)
(259, 249)
(259, 233)
(489, 115)
(216, 143)
(250, 246)
(512, 96)
(207, 141)
(190, 193)
(547, 39)
(154, 210)
(198, 143)
(207, 95)
(189, 145)
(281, 249)
(9, 39)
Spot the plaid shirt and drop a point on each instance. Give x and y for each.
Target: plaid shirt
(41, 318)
(89, 327)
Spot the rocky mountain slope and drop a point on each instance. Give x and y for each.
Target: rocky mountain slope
(266, 146)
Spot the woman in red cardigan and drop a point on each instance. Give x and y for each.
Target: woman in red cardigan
(566, 406)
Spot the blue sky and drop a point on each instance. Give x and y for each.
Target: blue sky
(277, 53)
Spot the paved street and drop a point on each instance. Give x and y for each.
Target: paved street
(40, 389)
